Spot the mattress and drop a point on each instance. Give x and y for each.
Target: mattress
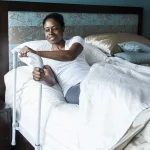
(59, 132)
(59, 119)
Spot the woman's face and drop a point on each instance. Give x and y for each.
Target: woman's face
(53, 31)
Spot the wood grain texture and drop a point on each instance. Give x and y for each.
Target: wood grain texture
(5, 127)
(3, 46)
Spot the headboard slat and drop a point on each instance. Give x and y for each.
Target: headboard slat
(4, 64)
(79, 8)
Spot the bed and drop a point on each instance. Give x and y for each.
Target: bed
(59, 128)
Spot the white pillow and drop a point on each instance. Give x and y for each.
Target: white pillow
(40, 45)
(25, 84)
(93, 54)
(35, 45)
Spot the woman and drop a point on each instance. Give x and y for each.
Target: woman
(66, 59)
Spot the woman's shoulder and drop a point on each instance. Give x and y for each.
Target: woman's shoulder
(77, 39)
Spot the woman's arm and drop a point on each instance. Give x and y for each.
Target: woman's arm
(62, 55)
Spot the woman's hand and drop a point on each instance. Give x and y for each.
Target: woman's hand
(38, 74)
(44, 74)
(25, 50)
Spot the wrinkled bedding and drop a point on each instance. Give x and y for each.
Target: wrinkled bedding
(113, 97)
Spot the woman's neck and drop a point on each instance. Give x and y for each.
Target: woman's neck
(59, 46)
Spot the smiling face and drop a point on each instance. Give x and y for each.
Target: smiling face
(53, 31)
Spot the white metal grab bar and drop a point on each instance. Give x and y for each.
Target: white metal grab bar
(14, 124)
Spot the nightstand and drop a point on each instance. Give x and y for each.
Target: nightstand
(5, 126)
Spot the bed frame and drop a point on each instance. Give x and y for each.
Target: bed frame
(47, 7)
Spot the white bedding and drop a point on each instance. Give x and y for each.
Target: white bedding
(59, 119)
(61, 128)
(112, 95)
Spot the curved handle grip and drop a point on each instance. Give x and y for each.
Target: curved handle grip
(29, 54)
(37, 58)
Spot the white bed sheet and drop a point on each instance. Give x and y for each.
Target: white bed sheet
(59, 119)
(60, 129)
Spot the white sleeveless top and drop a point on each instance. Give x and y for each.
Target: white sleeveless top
(70, 73)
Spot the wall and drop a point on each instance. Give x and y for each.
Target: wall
(137, 3)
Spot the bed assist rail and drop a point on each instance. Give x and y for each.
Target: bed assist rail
(14, 122)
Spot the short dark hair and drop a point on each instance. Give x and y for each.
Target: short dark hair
(56, 16)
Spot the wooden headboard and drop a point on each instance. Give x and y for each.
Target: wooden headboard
(5, 7)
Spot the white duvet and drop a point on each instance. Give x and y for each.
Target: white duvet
(112, 95)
